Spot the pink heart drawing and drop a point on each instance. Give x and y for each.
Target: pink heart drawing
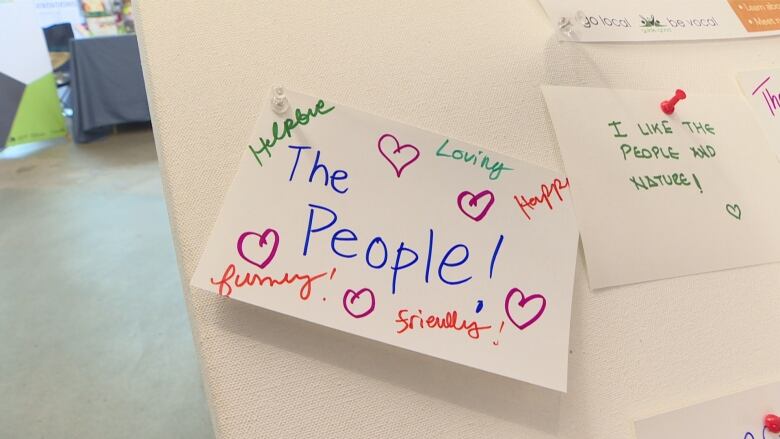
(263, 242)
(350, 296)
(394, 153)
(522, 303)
(473, 202)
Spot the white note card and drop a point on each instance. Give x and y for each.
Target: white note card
(762, 91)
(739, 416)
(661, 196)
(400, 235)
(658, 20)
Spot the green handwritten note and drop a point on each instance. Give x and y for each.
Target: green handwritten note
(648, 148)
(661, 196)
(300, 118)
(479, 158)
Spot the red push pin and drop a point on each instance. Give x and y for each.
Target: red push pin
(772, 423)
(668, 106)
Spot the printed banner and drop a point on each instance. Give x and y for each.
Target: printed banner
(657, 20)
(400, 235)
(758, 15)
(52, 12)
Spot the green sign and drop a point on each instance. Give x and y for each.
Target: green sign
(29, 107)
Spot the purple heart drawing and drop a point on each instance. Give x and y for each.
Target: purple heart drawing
(263, 242)
(523, 321)
(471, 208)
(350, 296)
(397, 154)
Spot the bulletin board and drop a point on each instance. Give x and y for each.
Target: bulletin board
(472, 70)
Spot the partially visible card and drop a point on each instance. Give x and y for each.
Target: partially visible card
(662, 196)
(635, 20)
(739, 416)
(762, 91)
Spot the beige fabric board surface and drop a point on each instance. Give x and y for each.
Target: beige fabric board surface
(471, 70)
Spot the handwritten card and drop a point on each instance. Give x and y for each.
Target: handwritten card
(739, 416)
(400, 235)
(635, 20)
(662, 196)
(762, 91)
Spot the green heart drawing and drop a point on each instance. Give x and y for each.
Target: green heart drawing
(734, 210)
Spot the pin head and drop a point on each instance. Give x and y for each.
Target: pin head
(279, 102)
(568, 26)
(581, 18)
(668, 106)
(772, 423)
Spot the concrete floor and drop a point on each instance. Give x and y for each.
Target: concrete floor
(95, 340)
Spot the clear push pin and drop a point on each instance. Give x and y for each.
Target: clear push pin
(279, 102)
(568, 26)
(581, 18)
